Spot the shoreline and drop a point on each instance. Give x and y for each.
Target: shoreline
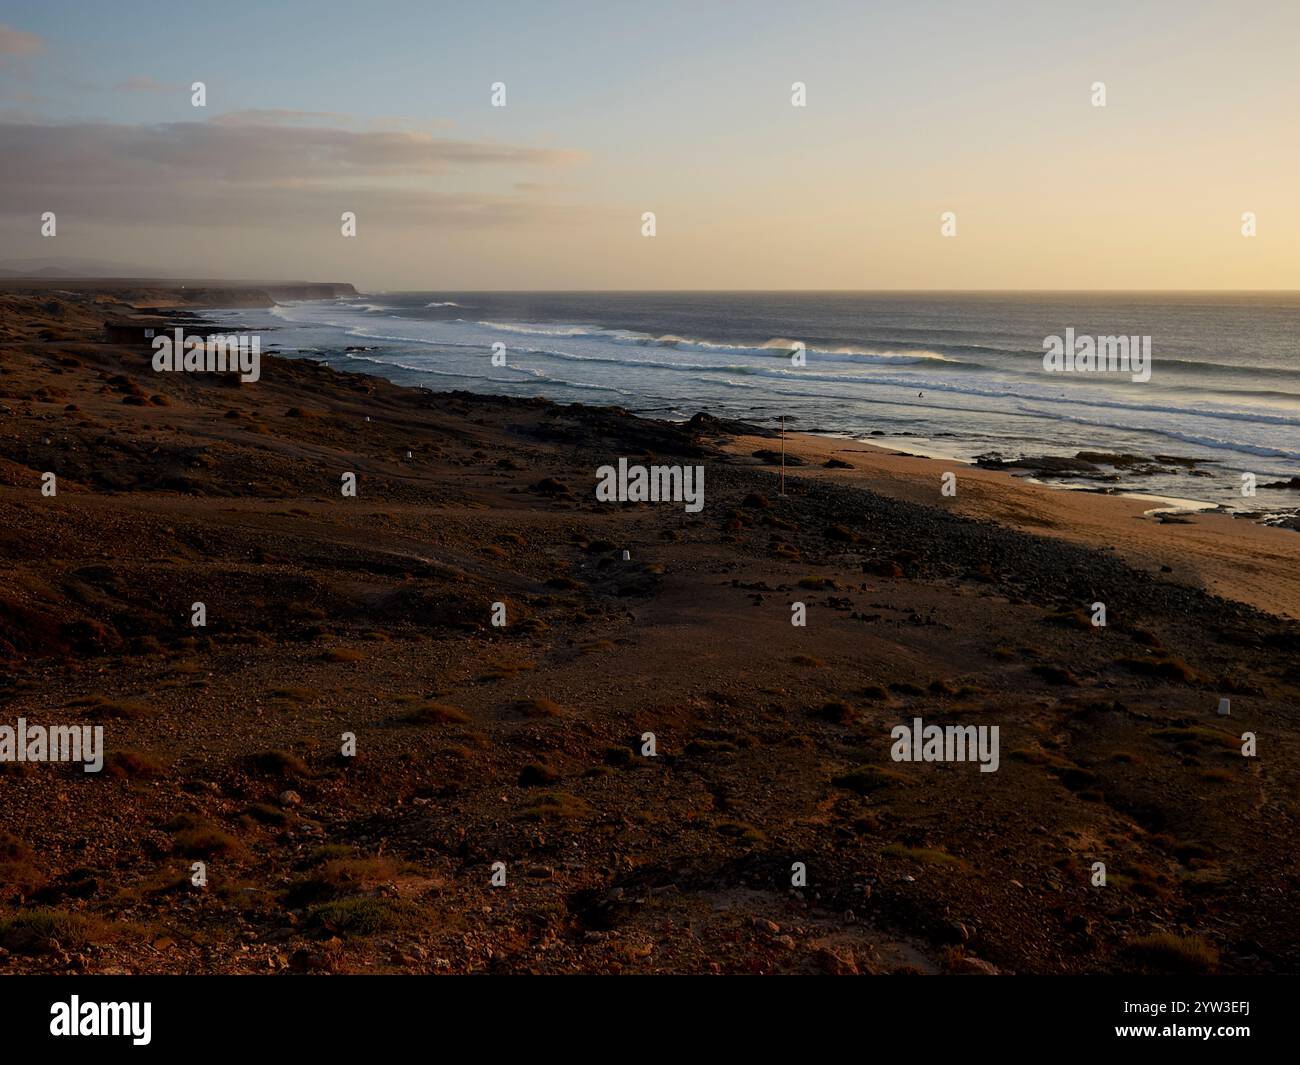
(1234, 557)
(1152, 424)
(1273, 584)
(898, 445)
(372, 615)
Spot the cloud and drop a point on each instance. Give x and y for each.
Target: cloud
(21, 107)
(399, 123)
(144, 83)
(19, 42)
(249, 154)
(223, 174)
(280, 117)
(284, 117)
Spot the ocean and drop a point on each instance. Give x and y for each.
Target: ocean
(951, 374)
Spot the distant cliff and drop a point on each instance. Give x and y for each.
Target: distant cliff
(184, 291)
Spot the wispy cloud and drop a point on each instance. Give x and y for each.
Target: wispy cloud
(144, 83)
(222, 173)
(399, 123)
(275, 116)
(19, 42)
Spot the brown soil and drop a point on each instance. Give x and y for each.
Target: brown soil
(523, 745)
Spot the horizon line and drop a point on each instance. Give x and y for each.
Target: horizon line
(839, 291)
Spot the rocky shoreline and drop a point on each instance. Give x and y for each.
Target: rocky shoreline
(519, 750)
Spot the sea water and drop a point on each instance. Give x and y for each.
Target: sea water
(958, 375)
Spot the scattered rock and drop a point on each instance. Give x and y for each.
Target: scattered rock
(836, 964)
(971, 966)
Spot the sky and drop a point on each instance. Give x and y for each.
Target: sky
(680, 109)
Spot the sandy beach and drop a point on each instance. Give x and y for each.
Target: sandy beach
(520, 750)
(1230, 557)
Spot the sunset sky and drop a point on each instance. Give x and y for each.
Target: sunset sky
(678, 108)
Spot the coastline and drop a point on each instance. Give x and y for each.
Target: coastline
(371, 616)
(1187, 433)
(1233, 557)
